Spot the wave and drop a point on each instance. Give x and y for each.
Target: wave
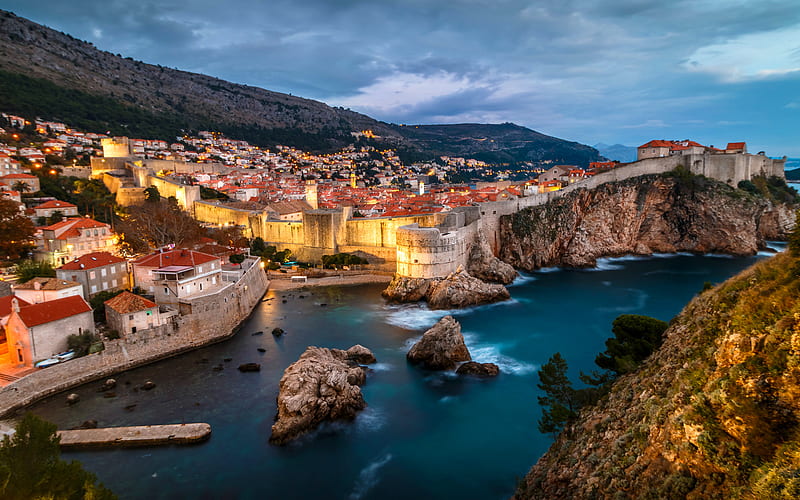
(381, 367)
(545, 270)
(414, 316)
(368, 477)
(370, 420)
(522, 279)
(491, 353)
(778, 246)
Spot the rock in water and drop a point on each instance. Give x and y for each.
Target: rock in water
(457, 290)
(108, 385)
(250, 367)
(72, 399)
(475, 369)
(462, 290)
(441, 347)
(322, 385)
(149, 385)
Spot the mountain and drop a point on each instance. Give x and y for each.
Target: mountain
(52, 75)
(625, 154)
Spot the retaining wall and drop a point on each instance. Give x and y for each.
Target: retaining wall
(218, 322)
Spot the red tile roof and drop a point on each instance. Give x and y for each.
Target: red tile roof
(127, 302)
(53, 310)
(177, 257)
(92, 260)
(735, 145)
(55, 204)
(5, 304)
(76, 223)
(657, 144)
(18, 176)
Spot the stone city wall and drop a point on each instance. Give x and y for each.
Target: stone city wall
(207, 326)
(221, 215)
(431, 252)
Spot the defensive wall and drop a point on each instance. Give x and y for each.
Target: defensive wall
(213, 318)
(222, 215)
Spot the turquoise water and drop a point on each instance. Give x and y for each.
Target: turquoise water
(424, 435)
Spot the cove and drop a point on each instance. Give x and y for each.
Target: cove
(425, 435)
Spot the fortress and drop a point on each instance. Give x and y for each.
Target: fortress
(418, 246)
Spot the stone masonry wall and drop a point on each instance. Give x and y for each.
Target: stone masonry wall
(206, 327)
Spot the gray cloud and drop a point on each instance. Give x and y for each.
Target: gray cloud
(588, 70)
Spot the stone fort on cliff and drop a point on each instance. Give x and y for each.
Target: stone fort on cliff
(419, 246)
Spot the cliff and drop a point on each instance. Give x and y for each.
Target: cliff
(642, 215)
(713, 413)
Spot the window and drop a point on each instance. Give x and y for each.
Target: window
(130, 317)
(94, 288)
(114, 270)
(199, 269)
(201, 287)
(103, 272)
(92, 275)
(105, 285)
(114, 283)
(166, 291)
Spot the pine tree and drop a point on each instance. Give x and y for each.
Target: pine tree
(560, 404)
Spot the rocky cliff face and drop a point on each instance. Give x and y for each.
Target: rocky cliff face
(322, 385)
(641, 216)
(713, 413)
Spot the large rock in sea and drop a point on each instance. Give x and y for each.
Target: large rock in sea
(441, 347)
(457, 290)
(460, 289)
(481, 370)
(322, 385)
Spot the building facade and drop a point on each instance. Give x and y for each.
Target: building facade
(96, 272)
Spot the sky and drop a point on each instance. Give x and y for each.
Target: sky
(611, 71)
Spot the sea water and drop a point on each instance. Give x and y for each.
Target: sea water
(423, 435)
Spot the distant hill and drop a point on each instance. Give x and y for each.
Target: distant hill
(792, 164)
(52, 75)
(793, 175)
(625, 154)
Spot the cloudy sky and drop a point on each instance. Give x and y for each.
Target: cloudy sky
(613, 71)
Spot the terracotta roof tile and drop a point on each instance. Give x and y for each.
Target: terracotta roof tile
(92, 260)
(5, 304)
(53, 310)
(178, 257)
(46, 284)
(127, 302)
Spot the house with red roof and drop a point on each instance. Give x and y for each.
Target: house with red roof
(37, 331)
(128, 313)
(177, 274)
(96, 272)
(47, 208)
(736, 147)
(31, 180)
(64, 241)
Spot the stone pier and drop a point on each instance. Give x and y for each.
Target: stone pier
(143, 435)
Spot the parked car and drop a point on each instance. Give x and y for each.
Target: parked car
(55, 359)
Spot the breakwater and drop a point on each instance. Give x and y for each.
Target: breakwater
(215, 317)
(140, 435)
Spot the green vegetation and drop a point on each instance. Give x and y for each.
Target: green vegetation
(687, 182)
(31, 467)
(342, 259)
(773, 188)
(269, 253)
(635, 338)
(29, 269)
(236, 258)
(559, 405)
(207, 193)
(84, 343)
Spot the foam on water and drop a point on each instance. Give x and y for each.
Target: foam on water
(548, 269)
(521, 279)
(491, 353)
(414, 316)
(381, 367)
(368, 477)
(370, 420)
(779, 246)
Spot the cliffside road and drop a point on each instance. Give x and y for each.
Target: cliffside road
(356, 279)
